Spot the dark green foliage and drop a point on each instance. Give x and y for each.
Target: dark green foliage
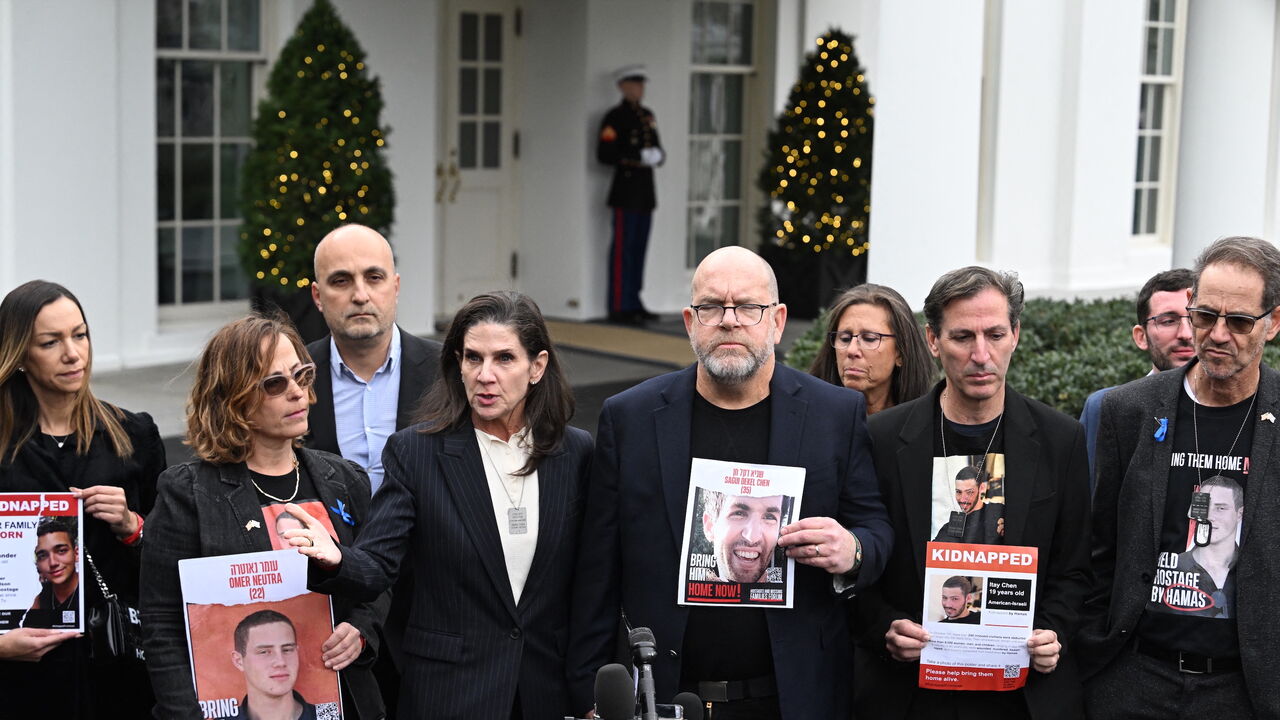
(1066, 350)
(317, 161)
(824, 137)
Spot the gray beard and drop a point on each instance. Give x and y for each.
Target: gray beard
(730, 371)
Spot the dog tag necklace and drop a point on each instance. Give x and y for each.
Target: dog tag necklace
(955, 526)
(517, 514)
(1199, 508)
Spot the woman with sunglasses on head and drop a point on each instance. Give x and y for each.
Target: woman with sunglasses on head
(55, 436)
(245, 419)
(874, 345)
(483, 499)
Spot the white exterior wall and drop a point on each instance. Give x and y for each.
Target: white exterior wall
(924, 186)
(1228, 114)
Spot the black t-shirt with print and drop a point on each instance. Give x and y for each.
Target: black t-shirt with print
(728, 643)
(1191, 606)
(274, 491)
(967, 451)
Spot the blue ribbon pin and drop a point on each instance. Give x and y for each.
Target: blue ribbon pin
(341, 511)
(1162, 430)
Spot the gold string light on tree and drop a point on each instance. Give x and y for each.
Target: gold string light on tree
(818, 171)
(317, 160)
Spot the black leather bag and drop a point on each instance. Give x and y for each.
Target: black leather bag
(115, 629)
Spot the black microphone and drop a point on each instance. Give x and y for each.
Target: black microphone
(644, 648)
(691, 703)
(615, 693)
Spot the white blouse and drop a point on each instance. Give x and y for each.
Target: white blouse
(510, 492)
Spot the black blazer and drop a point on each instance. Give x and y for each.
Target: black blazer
(66, 682)
(632, 532)
(1046, 506)
(419, 365)
(204, 510)
(469, 646)
(1128, 515)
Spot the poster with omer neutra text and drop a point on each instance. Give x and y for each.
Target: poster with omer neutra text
(41, 567)
(979, 605)
(734, 515)
(255, 636)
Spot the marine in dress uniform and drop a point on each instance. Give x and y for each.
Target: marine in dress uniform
(629, 142)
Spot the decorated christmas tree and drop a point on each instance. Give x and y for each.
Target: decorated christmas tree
(817, 171)
(317, 160)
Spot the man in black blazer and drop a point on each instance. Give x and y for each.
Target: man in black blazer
(369, 378)
(973, 421)
(735, 404)
(1181, 620)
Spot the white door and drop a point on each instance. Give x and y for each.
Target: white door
(476, 191)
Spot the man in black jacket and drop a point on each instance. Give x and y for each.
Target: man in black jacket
(369, 378)
(629, 142)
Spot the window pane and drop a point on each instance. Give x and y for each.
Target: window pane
(205, 24)
(715, 104)
(197, 264)
(166, 267)
(731, 152)
(1166, 51)
(1153, 159)
(492, 145)
(467, 145)
(698, 32)
(740, 43)
(728, 225)
(164, 98)
(233, 156)
(237, 98)
(197, 182)
(469, 36)
(468, 92)
(1153, 9)
(1151, 210)
(731, 98)
(197, 98)
(243, 19)
(700, 103)
(492, 91)
(1168, 6)
(235, 286)
(1137, 212)
(1157, 106)
(1141, 168)
(704, 169)
(165, 185)
(715, 36)
(1144, 107)
(168, 23)
(493, 37)
(1153, 40)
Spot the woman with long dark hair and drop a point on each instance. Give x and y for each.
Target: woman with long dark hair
(874, 345)
(483, 498)
(55, 436)
(245, 420)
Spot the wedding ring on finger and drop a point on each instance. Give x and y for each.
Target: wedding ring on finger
(311, 543)
(817, 550)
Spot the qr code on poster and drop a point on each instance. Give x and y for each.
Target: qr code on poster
(1012, 671)
(328, 711)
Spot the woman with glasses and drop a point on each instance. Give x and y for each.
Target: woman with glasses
(875, 346)
(483, 500)
(55, 436)
(245, 419)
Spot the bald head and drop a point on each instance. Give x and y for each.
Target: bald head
(736, 262)
(356, 285)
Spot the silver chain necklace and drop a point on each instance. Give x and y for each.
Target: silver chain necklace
(517, 514)
(942, 432)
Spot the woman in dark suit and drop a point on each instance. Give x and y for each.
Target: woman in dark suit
(55, 436)
(483, 498)
(245, 419)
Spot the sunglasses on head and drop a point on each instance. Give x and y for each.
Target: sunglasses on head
(274, 385)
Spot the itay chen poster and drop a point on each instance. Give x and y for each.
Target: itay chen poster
(733, 517)
(255, 635)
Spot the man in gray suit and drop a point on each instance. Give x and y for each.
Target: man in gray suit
(1165, 636)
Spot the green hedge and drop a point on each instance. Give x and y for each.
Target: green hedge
(1066, 350)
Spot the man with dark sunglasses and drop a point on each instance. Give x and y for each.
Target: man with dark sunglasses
(1155, 643)
(1163, 330)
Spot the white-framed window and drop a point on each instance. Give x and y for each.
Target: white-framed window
(719, 92)
(209, 59)
(1155, 174)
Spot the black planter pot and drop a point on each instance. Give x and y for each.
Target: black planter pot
(809, 281)
(297, 304)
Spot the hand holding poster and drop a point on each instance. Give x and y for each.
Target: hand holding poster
(733, 517)
(40, 561)
(255, 635)
(979, 604)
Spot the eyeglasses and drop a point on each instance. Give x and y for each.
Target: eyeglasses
(1237, 323)
(866, 340)
(1165, 321)
(747, 314)
(274, 385)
